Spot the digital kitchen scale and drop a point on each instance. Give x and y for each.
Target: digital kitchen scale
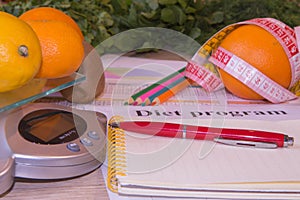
(48, 141)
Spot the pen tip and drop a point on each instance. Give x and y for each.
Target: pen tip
(290, 141)
(114, 125)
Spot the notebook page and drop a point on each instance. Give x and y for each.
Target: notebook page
(176, 163)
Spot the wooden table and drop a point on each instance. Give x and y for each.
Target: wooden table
(88, 187)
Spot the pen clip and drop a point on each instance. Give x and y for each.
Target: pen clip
(243, 143)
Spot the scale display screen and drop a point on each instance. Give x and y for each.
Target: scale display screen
(51, 126)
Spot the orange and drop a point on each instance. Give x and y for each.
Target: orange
(62, 48)
(48, 13)
(260, 49)
(20, 53)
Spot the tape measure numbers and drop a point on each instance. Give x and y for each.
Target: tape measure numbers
(201, 70)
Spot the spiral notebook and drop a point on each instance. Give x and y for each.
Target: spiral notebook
(170, 167)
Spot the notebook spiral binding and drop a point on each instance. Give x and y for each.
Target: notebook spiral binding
(116, 154)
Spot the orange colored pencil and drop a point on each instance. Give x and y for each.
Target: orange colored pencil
(171, 92)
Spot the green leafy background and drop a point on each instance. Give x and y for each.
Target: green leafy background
(198, 19)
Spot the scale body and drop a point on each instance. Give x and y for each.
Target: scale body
(31, 149)
(32, 155)
(7, 167)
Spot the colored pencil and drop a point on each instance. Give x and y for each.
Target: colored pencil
(160, 87)
(171, 92)
(150, 99)
(132, 99)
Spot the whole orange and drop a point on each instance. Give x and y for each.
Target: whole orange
(48, 13)
(262, 50)
(20, 53)
(62, 48)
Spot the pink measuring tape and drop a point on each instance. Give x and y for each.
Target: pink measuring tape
(211, 52)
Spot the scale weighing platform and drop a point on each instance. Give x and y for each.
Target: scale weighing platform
(48, 141)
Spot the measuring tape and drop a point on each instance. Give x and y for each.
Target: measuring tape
(202, 69)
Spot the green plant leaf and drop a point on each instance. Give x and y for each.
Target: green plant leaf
(195, 32)
(183, 3)
(153, 4)
(167, 2)
(149, 15)
(106, 19)
(200, 19)
(217, 17)
(168, 15)
(179, 14)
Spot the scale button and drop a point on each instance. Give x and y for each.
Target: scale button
(86, 142)
(94, 135)
(73, 147)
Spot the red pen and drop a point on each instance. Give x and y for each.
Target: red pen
(237, 137)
